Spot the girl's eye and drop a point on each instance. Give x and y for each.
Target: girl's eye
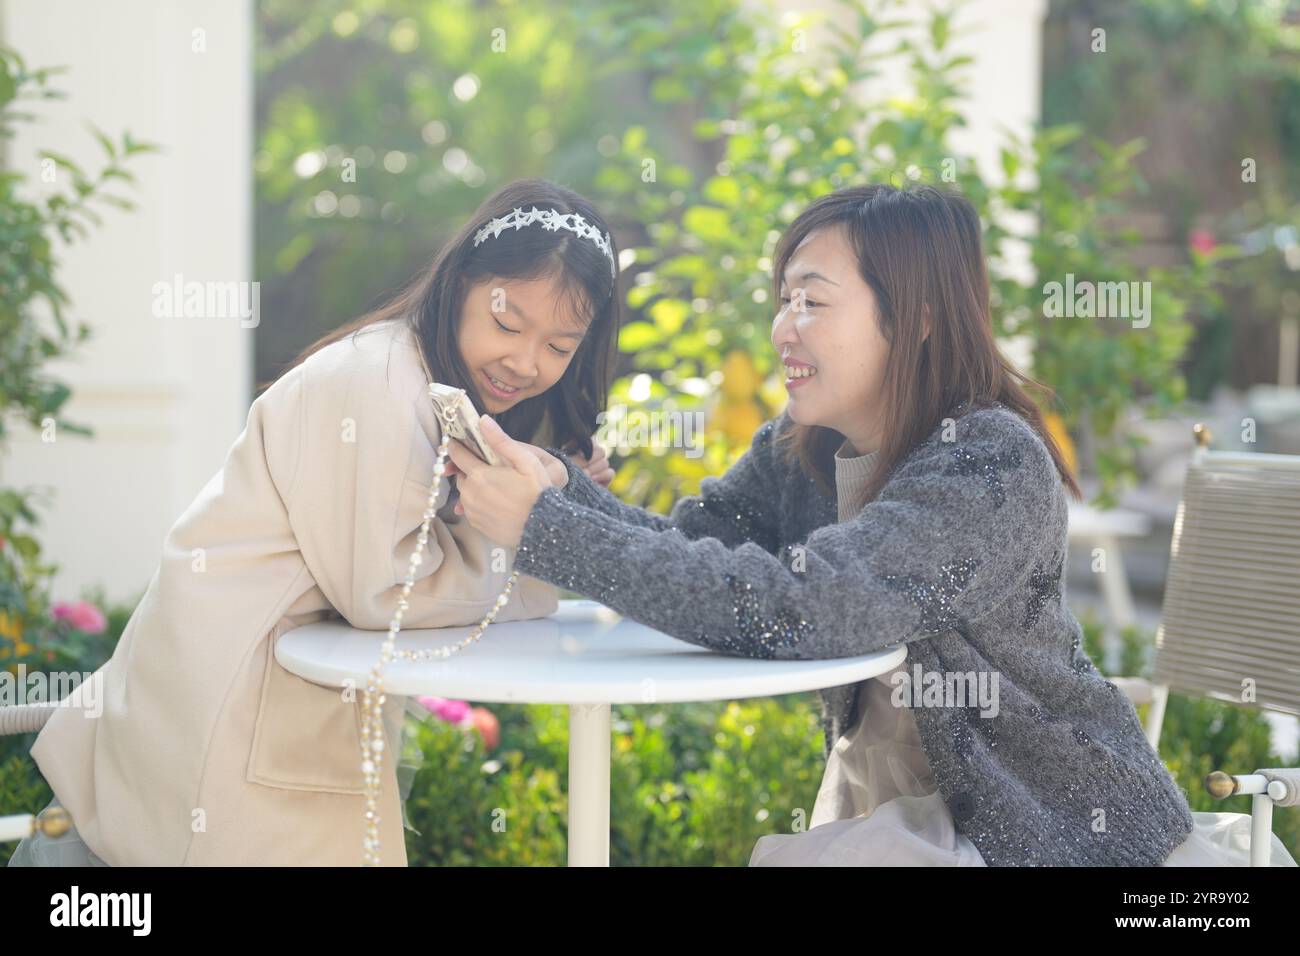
(516, 332)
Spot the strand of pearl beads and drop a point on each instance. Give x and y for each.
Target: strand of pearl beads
(373, 698)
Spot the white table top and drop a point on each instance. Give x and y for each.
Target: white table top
(582, 654)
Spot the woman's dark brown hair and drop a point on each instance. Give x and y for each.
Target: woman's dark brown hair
(564, 416)
(917, 246)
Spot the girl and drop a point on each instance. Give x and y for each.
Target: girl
(208, 752)
(908, 494)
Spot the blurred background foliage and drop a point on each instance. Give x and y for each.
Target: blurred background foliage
(411, 98)
(1227, 91)
(702, 129)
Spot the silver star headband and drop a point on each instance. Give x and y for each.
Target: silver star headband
(552, 221)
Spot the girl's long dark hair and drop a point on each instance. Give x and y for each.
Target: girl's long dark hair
(916, 246)
(564, 416)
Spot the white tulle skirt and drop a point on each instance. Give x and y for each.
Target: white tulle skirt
(879, 805)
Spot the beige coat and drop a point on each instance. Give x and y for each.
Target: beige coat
(208, 752)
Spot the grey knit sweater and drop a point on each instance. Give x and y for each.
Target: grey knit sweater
(960, 556)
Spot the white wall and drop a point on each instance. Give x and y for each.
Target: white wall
(166, 396)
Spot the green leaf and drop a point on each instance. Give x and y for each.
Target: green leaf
(723, 190)
(104, 141)
(669, 314)
(636, 336)
(707, 222)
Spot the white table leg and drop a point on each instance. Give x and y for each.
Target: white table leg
(589, 745)
(1119, 599)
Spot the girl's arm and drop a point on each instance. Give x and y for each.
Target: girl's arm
(958, 530)
(368, 438)
(737, 507)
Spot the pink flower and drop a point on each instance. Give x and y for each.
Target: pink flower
(1202, 240)
(452, 711)
(81, 615)
(461, 714)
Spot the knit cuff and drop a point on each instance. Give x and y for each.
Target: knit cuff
(579, 487)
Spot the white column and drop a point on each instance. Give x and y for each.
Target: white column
(166, 396)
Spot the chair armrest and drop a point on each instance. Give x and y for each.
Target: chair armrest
(25, 718)
(1282, 784)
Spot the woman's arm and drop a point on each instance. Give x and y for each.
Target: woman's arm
(957, 531)
(739, 506)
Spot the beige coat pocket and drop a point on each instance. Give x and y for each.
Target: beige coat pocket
(307, 736)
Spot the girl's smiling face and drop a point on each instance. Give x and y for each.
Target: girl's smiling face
(828, 336)
(517, 337)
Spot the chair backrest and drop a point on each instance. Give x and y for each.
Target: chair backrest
(1231, 610)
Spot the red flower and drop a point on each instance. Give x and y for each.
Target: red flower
(488, 726)
(1202, 240)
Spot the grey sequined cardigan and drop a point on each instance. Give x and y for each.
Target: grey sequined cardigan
(960, 556)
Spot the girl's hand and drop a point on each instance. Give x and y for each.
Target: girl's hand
(598, 469)
(497, 498)
(555, 469)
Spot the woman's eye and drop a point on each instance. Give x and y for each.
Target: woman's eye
(809, 303)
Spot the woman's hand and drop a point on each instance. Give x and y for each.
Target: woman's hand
(555, 469)
(497, 498)
(598, 469)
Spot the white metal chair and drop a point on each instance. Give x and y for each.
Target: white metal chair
(54, 821)
(1230, 623)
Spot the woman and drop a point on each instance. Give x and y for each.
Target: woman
(908, 494)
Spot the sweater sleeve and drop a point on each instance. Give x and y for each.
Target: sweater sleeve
(955, 533)
(737, 507)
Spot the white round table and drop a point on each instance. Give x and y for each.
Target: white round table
(585, 656)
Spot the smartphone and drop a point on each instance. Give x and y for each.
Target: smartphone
(464, 422)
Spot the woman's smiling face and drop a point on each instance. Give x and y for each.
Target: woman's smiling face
(828, 336)
(517, 334)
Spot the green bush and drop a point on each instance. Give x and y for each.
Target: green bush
(691, 784)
